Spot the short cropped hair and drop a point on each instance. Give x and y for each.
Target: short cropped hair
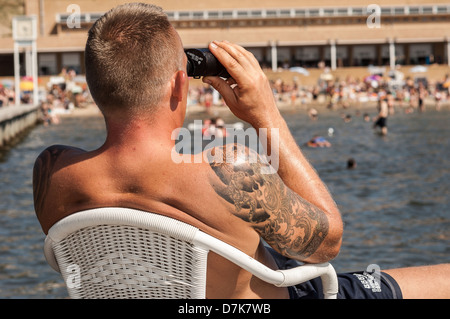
(131, 52)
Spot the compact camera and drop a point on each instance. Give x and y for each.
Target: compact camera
(201, 62)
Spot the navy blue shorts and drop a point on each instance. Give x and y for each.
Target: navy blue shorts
(354, 285)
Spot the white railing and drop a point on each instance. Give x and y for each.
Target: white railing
(228, 14)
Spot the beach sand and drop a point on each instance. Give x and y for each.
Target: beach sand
(215, 110)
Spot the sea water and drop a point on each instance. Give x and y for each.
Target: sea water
(395, 204)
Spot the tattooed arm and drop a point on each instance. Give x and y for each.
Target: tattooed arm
(304, 199)
(288, 223)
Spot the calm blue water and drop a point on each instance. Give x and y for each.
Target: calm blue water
(395, 204)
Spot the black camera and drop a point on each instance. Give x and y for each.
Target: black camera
(201, 62)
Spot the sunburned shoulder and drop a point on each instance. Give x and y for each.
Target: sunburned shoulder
(44, 167)
(58, 149)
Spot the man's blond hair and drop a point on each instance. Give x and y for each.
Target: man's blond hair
(131, 52)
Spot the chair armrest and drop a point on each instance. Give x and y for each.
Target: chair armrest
(307, 272)
(50, 255)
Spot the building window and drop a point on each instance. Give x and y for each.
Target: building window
(198, 15)
(285, 13)
(328, 12)
(399, 11)
(357, 11)
(342, 11)
(364, 55)
(313, 12)
(441, 9)
(184, 15)
(213, 14)
(420, 53)
(414, 10)
(72, 60)
(427, 10)
(47, 64)
(300, 13)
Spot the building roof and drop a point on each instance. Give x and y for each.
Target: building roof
(255, 23)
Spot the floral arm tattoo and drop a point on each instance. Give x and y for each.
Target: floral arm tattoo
(287, 222)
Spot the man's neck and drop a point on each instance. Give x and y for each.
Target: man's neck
(138, 133)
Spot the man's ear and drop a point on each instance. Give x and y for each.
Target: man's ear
(178, 85)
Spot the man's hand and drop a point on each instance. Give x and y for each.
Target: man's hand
(247, 93)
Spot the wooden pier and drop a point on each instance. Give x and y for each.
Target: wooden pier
(16, 119)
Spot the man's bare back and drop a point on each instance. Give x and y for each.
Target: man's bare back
(68, 180)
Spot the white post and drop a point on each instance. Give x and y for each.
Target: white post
(392, 54)
(28, 61)
(448, 51)
(274, 56)
(35, 74)
(333, 55)
(16, 73)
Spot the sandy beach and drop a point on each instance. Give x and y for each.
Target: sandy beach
(216, 110)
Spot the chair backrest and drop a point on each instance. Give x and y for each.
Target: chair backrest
(118, 252)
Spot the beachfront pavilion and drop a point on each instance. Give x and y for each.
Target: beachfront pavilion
(280, 33)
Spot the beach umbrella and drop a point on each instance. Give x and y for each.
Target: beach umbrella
(79, 79)
(376, 70)
(300, 70)
(373, 77)
(326, 76)
(26, 85)
(418, 69)
(7, 83)
(56, 80)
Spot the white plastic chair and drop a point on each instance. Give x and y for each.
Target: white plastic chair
(125, 253)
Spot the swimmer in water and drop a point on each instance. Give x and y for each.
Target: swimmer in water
(318, 141)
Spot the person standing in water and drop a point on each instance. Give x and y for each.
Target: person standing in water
(383, 111)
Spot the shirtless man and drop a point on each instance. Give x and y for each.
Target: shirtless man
(136, 71)
(383, 112)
